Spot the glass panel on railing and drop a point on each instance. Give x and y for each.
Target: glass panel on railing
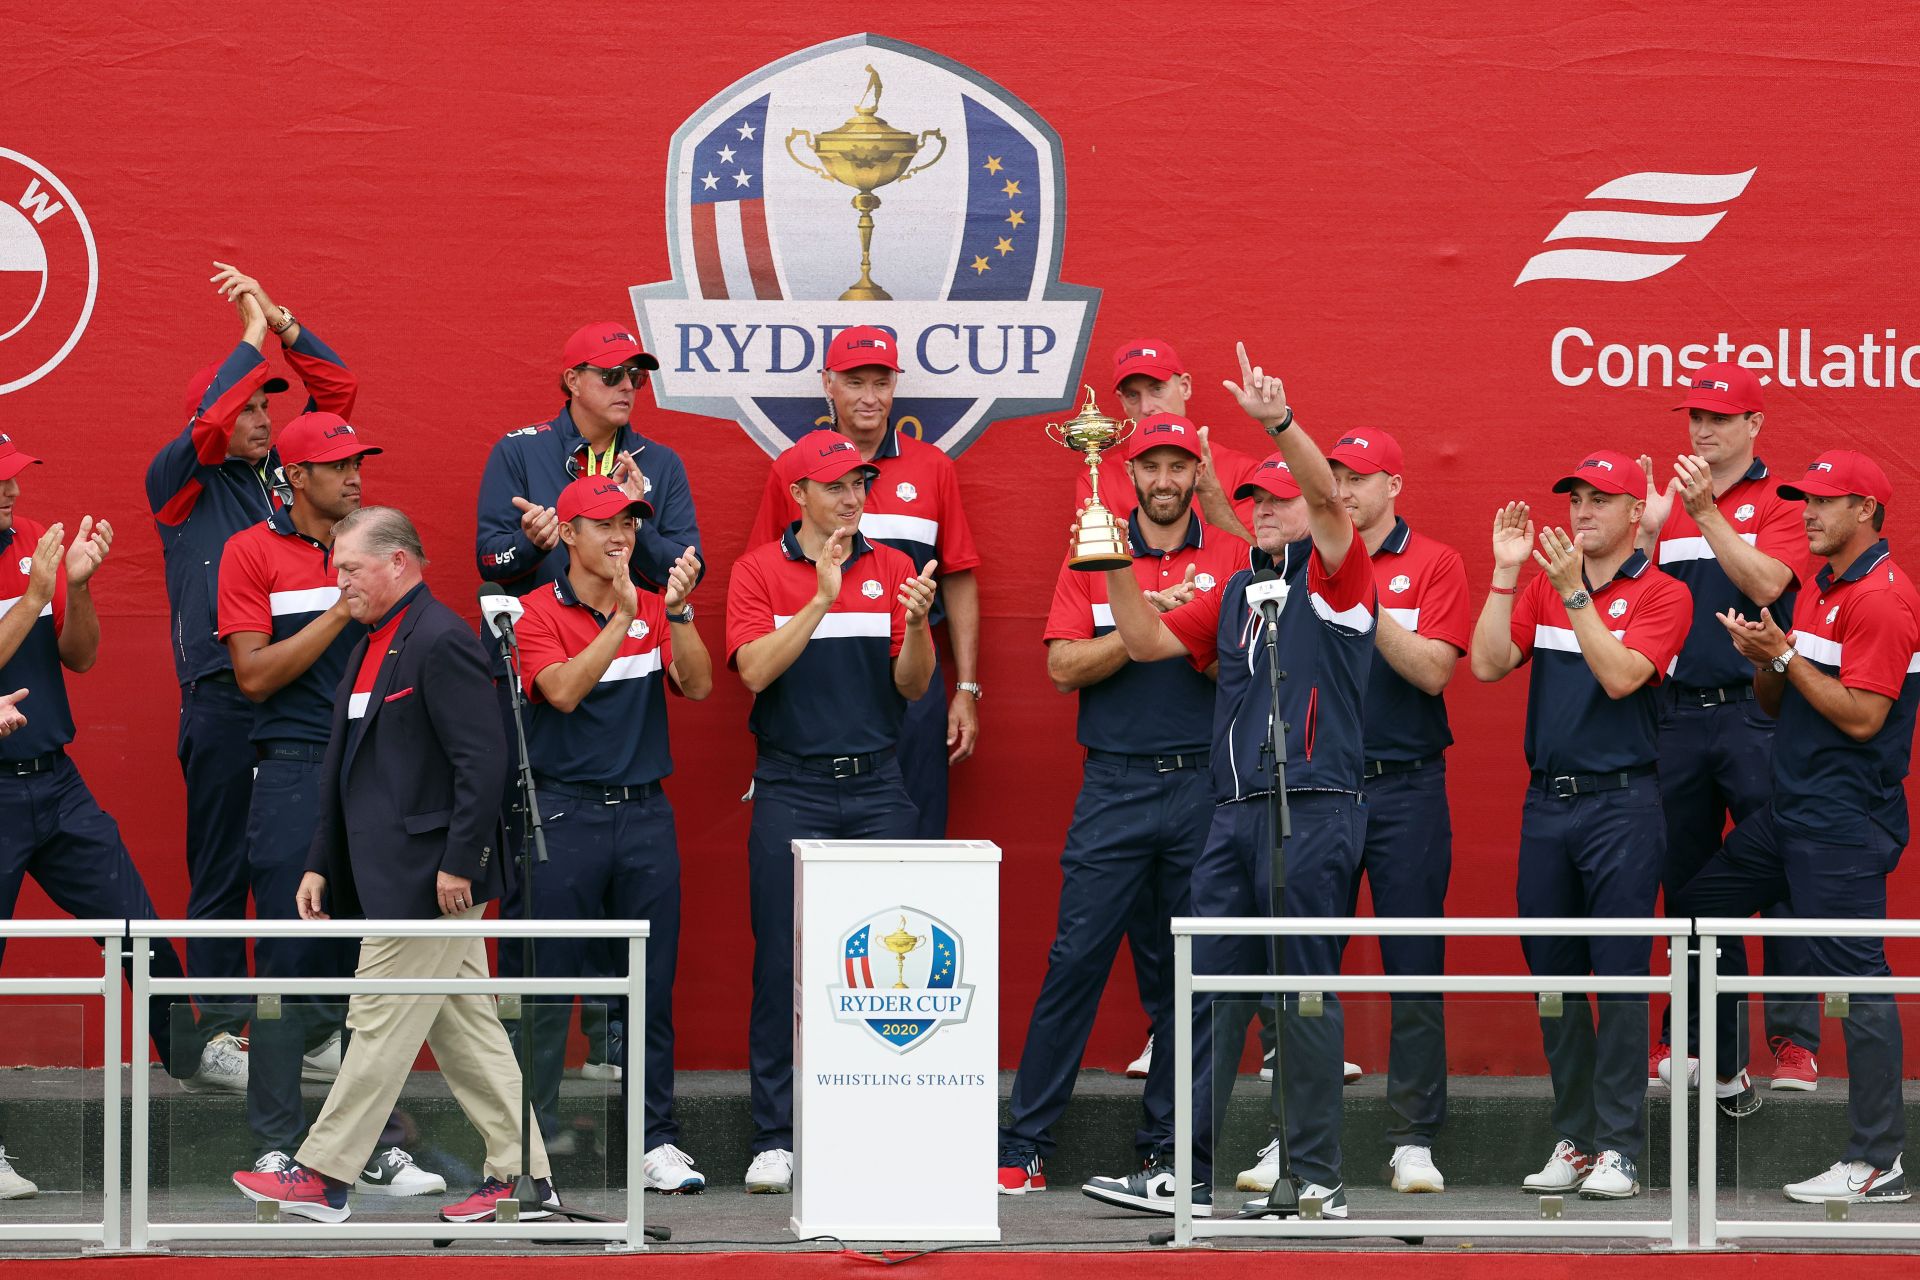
(1822, 1112)
(50, 1110)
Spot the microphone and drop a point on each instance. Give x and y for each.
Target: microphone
(499, 610)
(1268, 593)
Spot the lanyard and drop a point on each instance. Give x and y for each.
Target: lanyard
(602, 464)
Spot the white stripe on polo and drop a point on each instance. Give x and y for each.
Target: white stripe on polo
(905, 528)
(1819, 648)
(1103, 615)
(1674, 550)
(632, 666)
(312, 600)
(1408, 618)
(846, 626)
(1358, 619)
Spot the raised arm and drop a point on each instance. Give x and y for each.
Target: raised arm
(1265, 400)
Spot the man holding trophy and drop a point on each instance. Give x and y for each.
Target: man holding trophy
(1324, 646)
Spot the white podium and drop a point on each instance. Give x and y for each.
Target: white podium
(896, 1038)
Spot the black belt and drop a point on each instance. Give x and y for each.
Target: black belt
(1159, 764)
(598, 794)
(305, 752)
(831, 766)
(1691, 696)
(45, 763)
(217, 677)
(1565, 786)
(1374, 768)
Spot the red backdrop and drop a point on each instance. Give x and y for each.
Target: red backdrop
(444, 191)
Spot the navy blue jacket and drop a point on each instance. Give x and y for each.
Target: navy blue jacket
(413, 786)
(532, 463)
(200, 497)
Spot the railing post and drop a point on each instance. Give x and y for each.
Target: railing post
(1709, 1068)
(1183, 1117)
(137, 1146)
(1678, 983)
(110, 1004)
(635, 1072)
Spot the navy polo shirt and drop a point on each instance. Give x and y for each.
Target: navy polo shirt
(1763, 519)
(1326, 650)
(1422, 585)
(1863, 629)
(617, 736)
(1572, 725)
(274, 580)
(35, 665)
(838, 697)
(1146, 708)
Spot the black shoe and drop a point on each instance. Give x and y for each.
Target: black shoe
(1148, 1191)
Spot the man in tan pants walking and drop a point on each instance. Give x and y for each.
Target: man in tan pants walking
(409, 824)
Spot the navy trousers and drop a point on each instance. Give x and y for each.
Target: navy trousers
(1598, 854)
(280, 821)
(923, 757)
(1135, 837)
(1231, 878)
(52, 829)
(1819, 875)
(1407, 859)
(216, 760)
(1717, 762)
(1151, 947)
(605, 861)
(791, 804)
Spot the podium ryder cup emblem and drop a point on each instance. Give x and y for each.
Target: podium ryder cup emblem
(865, 181)
(901, 969)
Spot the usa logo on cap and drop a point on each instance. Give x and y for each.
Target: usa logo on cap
(959, 233)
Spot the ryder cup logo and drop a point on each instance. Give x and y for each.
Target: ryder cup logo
(49, 271)
(866, 181)
(901, 973)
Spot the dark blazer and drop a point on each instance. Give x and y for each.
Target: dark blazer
(413, 787)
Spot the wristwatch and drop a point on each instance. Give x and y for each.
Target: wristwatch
(1578, 600)
(684, 616)
(970, 687)
(286, 322)
(1779, 663)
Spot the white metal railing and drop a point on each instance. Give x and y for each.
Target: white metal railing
(620, 1236)
(105, 1231)
(1839, 1223)
(1672, 1229)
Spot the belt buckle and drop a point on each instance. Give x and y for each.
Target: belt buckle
(612, 795)
(1160, 764)
(846, 767)
(1371, 769)
(1564, 786)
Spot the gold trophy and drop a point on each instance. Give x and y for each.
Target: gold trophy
(1099, 537)
(864, 153)
(900, 942)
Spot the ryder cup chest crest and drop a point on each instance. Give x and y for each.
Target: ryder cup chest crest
(865, 181)
(900, 977)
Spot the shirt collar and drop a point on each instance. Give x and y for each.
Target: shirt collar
(280, 520)
(626, 440)
(400, 606)
(1866, 562)
(1758, 471)
(1137, 543)
(889, 444)
(1632, 567)
(790, 545)
(1397, 539)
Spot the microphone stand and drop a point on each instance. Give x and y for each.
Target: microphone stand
(1284, 1199)
(533, 849)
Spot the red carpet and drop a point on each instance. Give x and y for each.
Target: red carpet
(1465, 1264)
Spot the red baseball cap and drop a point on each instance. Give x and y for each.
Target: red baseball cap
(863, 345)
(1722, 388)
(605, 345)
(825, 456)
(1163, 429)
(1607, 470)
(197, 387)
(12, 461)
(596, 498)
(1840, 473)
(320, 437)
(1272, 475)
(1369, 451)
(1157, 359)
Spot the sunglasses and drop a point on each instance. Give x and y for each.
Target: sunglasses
(618, 373)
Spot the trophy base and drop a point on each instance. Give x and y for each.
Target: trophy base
(866, 293)
(1099, 561)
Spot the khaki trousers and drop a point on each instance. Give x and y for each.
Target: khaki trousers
(467, 1040)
